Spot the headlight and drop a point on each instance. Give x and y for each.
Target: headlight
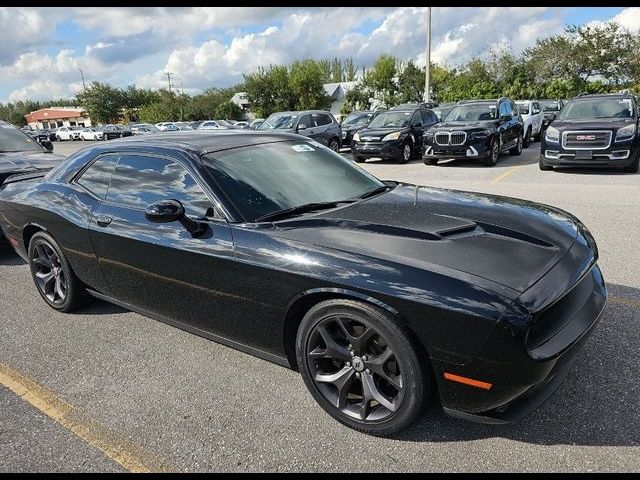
(391, 136)
(626, 133)
(356, 137)
(552, 135)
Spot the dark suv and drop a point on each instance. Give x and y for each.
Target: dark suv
(476, 129)
(594, 131)
(551, 109)
(355, 121)
(316, 124)
(396, 134)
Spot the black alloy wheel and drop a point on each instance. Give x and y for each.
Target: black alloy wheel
(334, 145)
(492, 159)
(517, 149)
(361, 366)
(55, 280)
(527, 139)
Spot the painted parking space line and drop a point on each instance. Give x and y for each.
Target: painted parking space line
(506, 174)
(122, 451)
(630, 302)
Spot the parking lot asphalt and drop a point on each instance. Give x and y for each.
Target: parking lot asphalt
(107, 389)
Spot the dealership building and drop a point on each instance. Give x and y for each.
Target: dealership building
(55, 117)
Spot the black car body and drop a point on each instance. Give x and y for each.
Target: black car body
(412, 105)
(442, 110)
(476, 129)
(21, 154)
(393, 135)
(355, 121)
(551, 109)
(109, 132)
(319, 125)
(42, 136)
(497, 294)
(594, 131)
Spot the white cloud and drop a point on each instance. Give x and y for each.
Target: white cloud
(21, 29)
(629, 18)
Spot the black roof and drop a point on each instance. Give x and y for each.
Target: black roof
(204, 141)
(602, 95)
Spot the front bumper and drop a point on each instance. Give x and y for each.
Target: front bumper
(385, 150)
(617, 156)
(523, 373)
(467, 150)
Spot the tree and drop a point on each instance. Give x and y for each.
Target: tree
(102, 101)
(336, 70)
(350, 71)
(381, 80)
(307, 87)
(411, 83)
(269, 91)
(229, 111)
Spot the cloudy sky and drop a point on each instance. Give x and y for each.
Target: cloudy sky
(43, 48)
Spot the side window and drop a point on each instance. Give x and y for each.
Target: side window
(141, 180)
(306, 120)
(97, 176)
(504, 109)
(514, 109)
(536, 107)
(416, 118)
(429, 117)
(322, 119)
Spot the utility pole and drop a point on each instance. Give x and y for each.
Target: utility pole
(168, 74)
(427, 82)
(84, 87)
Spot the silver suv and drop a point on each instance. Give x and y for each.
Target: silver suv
(319, 125)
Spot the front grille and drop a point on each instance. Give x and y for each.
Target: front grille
(586, 140)
(451, 138)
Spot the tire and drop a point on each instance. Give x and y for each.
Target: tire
(395, 374)
(633, 168)
(536, 137)
(58, 138)
(543, 166)
(406, 153)
(527, 139)
(494, 154)
(48, 264)
(430, 161)
(359, 159)
(517, 150)
(334, 144)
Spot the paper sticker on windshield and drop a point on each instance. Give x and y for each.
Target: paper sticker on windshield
(303, 148)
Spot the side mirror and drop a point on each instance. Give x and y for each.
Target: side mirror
(301, 126)
(416, 124)
(167, 211)
(48, 144)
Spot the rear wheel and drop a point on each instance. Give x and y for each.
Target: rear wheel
(334, 144)
(362, 366)
(55, 280)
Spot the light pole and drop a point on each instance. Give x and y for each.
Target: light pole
(427, 80)
(84, 87)
(168, 74)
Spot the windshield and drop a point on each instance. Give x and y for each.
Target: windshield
(441, 112)
(597, 108)
(391, 120)
(550, 106)
(262, 179)
(357, 118)
(278, 122)
(472, 113)
(523, 108)
(13, 140)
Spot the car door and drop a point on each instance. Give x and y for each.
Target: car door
(307, 121)
(323, 132)
(162, 268)
(505, 125)
(538, 117)
(516, 125)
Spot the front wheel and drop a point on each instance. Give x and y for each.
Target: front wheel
(359, 159)
(334, 145)
(517, 150)
(430, 161)
(527, 139)
(54, 279)
(543, 166)
(633, 168)
(406, 153)
(362, 366)
(492, 158)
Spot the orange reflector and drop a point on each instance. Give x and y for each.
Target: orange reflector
(467, 381)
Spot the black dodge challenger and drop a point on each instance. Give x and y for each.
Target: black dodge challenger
(383, 295)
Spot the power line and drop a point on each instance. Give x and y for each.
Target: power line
(84, 87)
(168, 74)
(427, 82)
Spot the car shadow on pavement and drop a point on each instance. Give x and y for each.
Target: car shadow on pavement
(10, 258)
(596, 405)
(593, 171)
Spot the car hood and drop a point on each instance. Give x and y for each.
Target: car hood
(508, 241)
(599, 124)
(448, 126)
(19, 162)
(354, 127)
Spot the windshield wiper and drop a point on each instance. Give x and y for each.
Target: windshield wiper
(374, 192)
(307, 207)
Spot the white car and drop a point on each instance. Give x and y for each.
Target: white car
(68, 133)
(532, 116)
(90, 134)
(162, 126)
(212, 125)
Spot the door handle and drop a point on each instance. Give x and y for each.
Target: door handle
(103, 220)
